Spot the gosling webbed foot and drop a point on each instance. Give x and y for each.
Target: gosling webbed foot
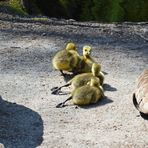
(60, 105)
(62, 73)
(54, 88)
(56, 92)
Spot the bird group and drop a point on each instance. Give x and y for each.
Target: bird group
(88, 80)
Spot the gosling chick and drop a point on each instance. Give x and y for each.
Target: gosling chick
(83, 79)
(66, 59)
(84, 95)
(140, 96)
(86, 61)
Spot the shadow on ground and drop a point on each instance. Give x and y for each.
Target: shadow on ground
(68, 77)
(19, 126)
(108, 87)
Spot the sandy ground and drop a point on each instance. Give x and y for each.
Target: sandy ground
(28, 117)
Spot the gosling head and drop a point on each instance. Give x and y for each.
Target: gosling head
(86, 51)
(71, 46)
(96, 68)
(93, 82)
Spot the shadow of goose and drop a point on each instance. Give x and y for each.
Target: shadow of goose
(20, 127)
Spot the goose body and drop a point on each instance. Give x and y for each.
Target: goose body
(140, 96)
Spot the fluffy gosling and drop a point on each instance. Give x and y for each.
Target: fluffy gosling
(85, 95)
(66, 59)
(86, 61)
(83, 79)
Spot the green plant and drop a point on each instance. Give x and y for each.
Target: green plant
(40, 19)
(16, 6)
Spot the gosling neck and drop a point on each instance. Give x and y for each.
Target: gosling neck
(95, 73)
(70, 49)
(94, 85)
(87, 57)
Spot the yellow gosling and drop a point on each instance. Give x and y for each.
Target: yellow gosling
(83, 79)
(84, 95)
(66, 59)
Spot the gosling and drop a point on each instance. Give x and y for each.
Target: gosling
(140, 96)
(86, 61)
(66, 59)
(85, 95)
(83, 79)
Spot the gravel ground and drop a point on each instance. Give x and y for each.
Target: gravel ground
(28, 117)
